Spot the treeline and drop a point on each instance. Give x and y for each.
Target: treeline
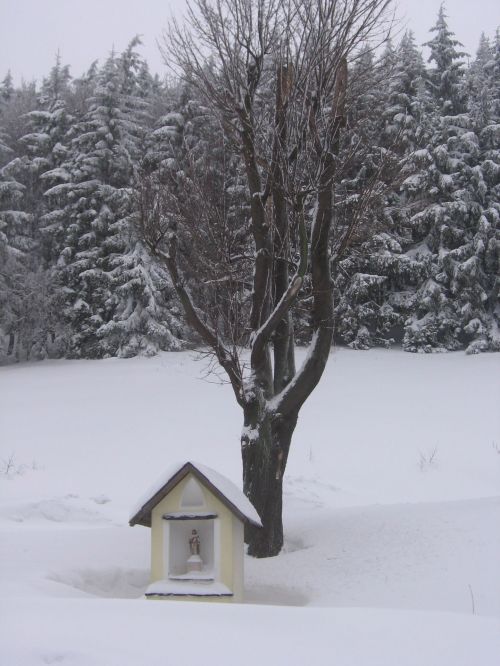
(76, 157)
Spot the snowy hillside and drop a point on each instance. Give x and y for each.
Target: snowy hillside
(392, 507)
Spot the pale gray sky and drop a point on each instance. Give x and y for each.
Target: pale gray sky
(31, 31)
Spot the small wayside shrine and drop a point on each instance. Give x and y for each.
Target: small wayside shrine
(196, 517)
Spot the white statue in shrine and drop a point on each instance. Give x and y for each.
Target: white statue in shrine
(194, 563)
(194, 543)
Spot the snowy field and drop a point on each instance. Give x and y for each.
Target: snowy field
(392, 515)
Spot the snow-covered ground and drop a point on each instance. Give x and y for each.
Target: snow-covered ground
(392, 515)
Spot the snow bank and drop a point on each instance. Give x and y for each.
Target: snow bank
(132, 633)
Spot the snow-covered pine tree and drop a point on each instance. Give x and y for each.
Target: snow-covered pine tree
(476, 277)
(446, 76)
(375, 268)
(10, 266)
(145, 317)
(478, 80)
(17, 176)
(95, 196)
(114, 304)
(358, 292)
(25, 311)
(39, 151)
(440, 225)
(47, 144)
(459, 302)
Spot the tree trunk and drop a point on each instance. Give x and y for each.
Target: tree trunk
(264, 446)
(12, 340)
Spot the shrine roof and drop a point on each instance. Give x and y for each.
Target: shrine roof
(224, 489)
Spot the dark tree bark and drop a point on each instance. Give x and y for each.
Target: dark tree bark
(279, 90)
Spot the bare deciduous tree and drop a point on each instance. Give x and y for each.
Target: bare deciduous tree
(274, 75)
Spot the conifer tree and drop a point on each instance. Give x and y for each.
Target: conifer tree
(371, 271)
(100, 169)
(438, 228)
(46, 147)
(18, 200)
(144, 317)
(445, 78)
(114, 306)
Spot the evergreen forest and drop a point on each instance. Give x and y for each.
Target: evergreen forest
(77, 156)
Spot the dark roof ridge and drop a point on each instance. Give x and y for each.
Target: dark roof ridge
(142, 514)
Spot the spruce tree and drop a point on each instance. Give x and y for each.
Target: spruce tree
(115, 303)
(445, 77)
(438, 228)
(144, 317)
(366, 279)
(100, 170)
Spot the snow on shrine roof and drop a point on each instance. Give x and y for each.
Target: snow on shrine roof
(228, 493)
